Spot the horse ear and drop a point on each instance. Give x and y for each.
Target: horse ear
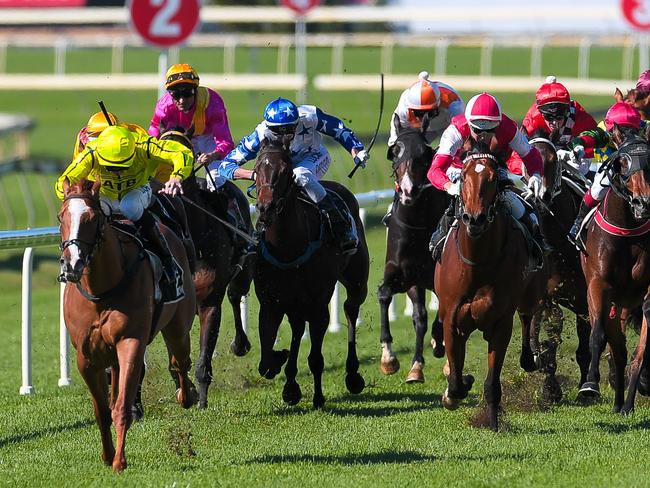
(96, 186)
(397, 124)
(286, 141)
(66, 185)
(618, 95)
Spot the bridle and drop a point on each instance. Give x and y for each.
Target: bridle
(492, 209)
(636, 162)
(398, 159)
(277, 204)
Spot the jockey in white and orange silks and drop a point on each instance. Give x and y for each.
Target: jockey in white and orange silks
(190, 106)
(484, 121)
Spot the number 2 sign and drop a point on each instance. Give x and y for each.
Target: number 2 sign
(164, 23)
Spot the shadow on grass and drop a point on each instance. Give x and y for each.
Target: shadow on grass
(622, 428)
(20, 438)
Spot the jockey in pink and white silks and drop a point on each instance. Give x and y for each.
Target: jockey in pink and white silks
(484, 121)
(310, 158)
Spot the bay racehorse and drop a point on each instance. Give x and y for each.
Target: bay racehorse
(219, 267)
(409, 266)
(617, 263)
(566, 286)
(481, 280)
(296, 272)
(110, 311)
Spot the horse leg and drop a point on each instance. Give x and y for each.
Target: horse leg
(497, 346)
(240, 344)
(96, 381)
(315, 359)
(417, 296)
(138, 408)
(582, 352)
(291, 393)
(641, 357)
(457, 385)
(130, 355)
(437, 338)
(177, 340)
(271, 361)
(354, 382)
(389, 363)
(598, 301)
(210, 319)
(526, 358)
(114, 384)
(616, 339)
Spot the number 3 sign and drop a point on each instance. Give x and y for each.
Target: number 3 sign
(164, 23)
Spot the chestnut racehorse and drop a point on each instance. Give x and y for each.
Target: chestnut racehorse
(296, 272)
(617, 264)
(481, 280)
(109, 308)
(409, 266)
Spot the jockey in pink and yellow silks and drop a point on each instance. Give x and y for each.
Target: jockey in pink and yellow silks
(196, 109)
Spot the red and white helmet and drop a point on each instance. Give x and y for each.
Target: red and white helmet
(552, 92)
(483, 112)
(622, 114)
(422, 96)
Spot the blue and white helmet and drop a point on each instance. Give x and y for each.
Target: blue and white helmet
(281, 112)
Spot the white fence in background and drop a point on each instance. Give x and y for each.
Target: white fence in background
(48, 236)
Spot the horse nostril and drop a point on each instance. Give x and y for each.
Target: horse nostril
(480, 219)
(466, 219)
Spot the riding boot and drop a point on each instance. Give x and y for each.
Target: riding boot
(386, 219)
(171, 283)
(340, 223)
(438, 236)
(532, 224)
(582, 213)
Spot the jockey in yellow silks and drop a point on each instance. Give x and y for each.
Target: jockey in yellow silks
(96, 124)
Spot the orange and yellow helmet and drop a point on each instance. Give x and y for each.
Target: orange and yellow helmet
(116, 147)
(97, 123)
(181, 73)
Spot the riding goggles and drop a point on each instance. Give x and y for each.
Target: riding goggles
(421, 113)
(554, 111)
(282, 130)
(179, 93)
(182, 76)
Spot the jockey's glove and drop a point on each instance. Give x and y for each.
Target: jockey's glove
(454, 189)
(361, 158)
(214, 180)
(535, 185)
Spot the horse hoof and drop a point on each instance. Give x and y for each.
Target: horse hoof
(528, 362)
(468, 381)
(449, 403)
(416, 375)
(589, 389)
(355, 383)
(445, 369)
(240, 349)
(119, 466)
(438, 349)
(537, 359)
(278, 360)
(319, 402)
(186, 401)
(389, 367)
(625, 411)
(291, 394)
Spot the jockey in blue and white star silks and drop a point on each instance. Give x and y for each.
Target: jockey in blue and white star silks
(310, 158)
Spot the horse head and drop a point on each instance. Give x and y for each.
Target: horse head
(546, 145)
(479, 192)
(273, 174)
(639, 99)
(82, 222)
(411, 157)
(184, 137)
(630, 171)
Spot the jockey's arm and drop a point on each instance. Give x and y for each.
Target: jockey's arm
(530, 156)
(591, 139)
(158, 115)
(78, 169)
(450, 143)
(334, 127)
(246, 150)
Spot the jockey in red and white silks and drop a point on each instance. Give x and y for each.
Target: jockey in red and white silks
(483, 120)
(433, 98)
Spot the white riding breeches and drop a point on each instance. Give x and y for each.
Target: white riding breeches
(133, 204)
(599, 187)
(309, 170)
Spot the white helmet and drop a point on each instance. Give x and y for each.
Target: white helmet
(422, 96)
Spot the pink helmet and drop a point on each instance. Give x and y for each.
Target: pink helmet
(483, 112)
(623, 114)
(643, 82)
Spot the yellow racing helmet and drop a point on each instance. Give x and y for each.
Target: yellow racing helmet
(97, 123)
(181, 73)
(116, 147)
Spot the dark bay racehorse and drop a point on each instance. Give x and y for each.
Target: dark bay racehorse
(409, 266)
(566, 284)
(481, 280)
(296, 272)
(109, 311)
(617, 264)
(218, 268)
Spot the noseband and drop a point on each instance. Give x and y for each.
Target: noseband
(278, 204)
(492, 209)
(94, 245)
(398, 160)
(635, 153)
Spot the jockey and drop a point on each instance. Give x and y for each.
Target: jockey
(425, 104)
(96, 124)
(555, 111)
(125, 165)
(621, 120)
(198, 110)
(485, 123)
(310, 158)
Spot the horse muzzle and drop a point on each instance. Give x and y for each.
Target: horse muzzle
(641, 207)
(475, 225)
(71, 273)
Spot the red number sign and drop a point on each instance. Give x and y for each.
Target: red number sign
(301, 6)
(164, 23)
(637, 13)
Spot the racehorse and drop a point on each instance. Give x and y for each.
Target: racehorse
(409, 266)
(109, 309)
(296, 272)
(639, 100)
(218, 267)
(566, 284)
(481, 280)
(617, 265)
